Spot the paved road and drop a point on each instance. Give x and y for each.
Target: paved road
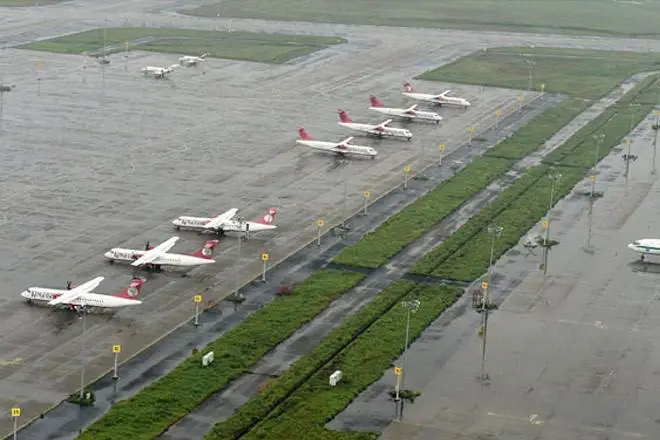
(571, 357)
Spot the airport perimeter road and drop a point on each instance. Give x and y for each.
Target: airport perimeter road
(86, 167)
(571, 357)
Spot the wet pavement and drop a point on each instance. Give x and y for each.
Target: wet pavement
(67, 419)
(93, 163)
(569, 356)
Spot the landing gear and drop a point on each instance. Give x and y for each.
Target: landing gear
(409, 139)
(220, 232)
(641, 259)
(178, 228)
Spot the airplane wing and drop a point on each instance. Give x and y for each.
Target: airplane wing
(412, 108)
(383, 124)
(345, 141)
(443, 94)
(156, 252)
(222, 218)
(76, 292)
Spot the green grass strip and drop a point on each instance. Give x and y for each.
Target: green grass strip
(531, 136)
(518, 217)
(259, 406)
(151, 411)
(377, 247)
(451, 247)
(614, 123)
(304, 414)
(521, 205)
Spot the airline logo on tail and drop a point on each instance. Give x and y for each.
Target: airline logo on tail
(407, 87)
(268, 218)
(206, 251)
(375, 102)
(343, 116)
(133, 289)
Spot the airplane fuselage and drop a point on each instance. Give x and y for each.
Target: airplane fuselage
(44, 294)
(130, 255)
(439, 100)
(648, 246)
(375, 130)
(356, 150)
(196, 223)
(403, 113)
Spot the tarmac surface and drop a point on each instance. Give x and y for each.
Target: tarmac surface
(569, 356)
(91, 164)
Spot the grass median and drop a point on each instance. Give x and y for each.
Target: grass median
(466, 254)
(246, 46)
(305, 412)
(377, 247)
(588, 74)
(259, 406)
(154, 409)
(594, 17)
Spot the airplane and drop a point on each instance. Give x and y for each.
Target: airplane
(380, 130)
(154, 257)
(6, 88)
(159, 72)
(227, 222)
(409, 113)
(645, 246)
(82, 297)
(440, 99)
(341, 149)
(190, 61)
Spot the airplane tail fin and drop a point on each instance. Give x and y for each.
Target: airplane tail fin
(343, 116)
(304, 135)
(375, 102)
(133, 289)
(407, 87)
(206, 251)
(204, 55)
(268, 218)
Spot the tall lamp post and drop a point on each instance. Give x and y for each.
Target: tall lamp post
(599, 139)
(411, 306)
(554, 179)
(530, 67)
(495, 231)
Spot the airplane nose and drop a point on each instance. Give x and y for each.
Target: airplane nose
(25, 294)
(108, 254)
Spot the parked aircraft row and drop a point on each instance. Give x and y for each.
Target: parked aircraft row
(163, 72)
(344, 147)
(82, 297)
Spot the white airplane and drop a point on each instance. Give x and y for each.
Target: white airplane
(190, 61)
(159, 72)
(155, 257)
(410, 113)
(441, 99)
(82, 296)
(380, 130)
(645, 246)
(227, 222)
(341, 149)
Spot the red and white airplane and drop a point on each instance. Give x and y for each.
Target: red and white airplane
(342, 149)
(441, 99)
(380, 130)
(154, 257)
(227, 222)
(410, 113)
(82, 297)
(159, 72)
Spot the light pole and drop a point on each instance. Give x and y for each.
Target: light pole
(627, 158)
(599, 139)
(411, 306)
(656, 127)
(82, 354)
(241, 222)
(530, 67)
(554, 179)
(495, 231)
